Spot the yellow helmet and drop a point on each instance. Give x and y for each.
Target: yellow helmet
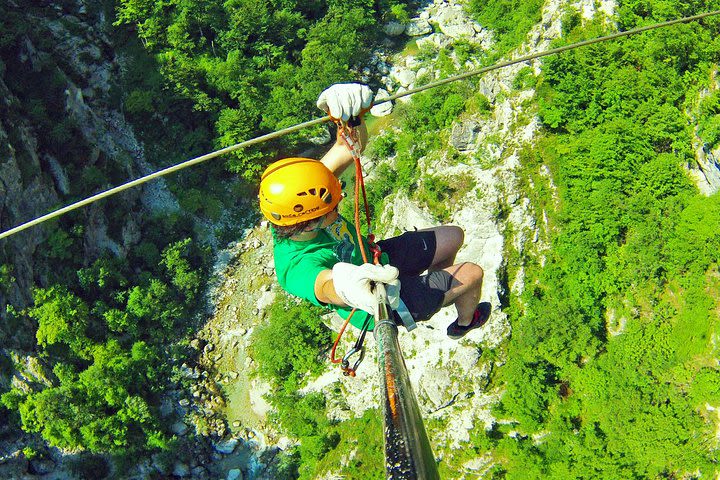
(294, 190)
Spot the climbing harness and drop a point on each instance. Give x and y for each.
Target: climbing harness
(319, 121)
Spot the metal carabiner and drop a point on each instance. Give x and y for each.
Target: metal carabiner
(345, 365)
(357, 348)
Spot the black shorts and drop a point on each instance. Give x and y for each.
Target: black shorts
(412, 253)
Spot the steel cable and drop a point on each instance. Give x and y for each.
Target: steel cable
(318, 121)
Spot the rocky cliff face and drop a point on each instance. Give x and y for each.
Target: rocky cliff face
(60, 122)
(60, 116)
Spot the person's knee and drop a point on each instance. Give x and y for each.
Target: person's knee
(474, 273)
(467, 274)
(457, 236)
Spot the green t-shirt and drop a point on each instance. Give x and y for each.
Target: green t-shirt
(298, 264)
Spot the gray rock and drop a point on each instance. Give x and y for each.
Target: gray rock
(382, 109)
(463, 135)
(226, 447)
(393, 29)
(166, 407)
(179, 428)
(200, 473)
(235, 474)
(41, 466)
(707, 171)
(436, 40)
(322, 137)
(58, 173)
(453, 23)
(159, 464)
(387, 82)
(181, 470)
(417, 27)
(436, 385)
(404, 99)
(265, 300)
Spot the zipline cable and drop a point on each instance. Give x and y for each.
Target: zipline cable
(318, 121)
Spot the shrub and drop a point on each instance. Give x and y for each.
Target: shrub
(303, 335)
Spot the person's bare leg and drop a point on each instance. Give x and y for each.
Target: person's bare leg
(465, 291)
(448, 240)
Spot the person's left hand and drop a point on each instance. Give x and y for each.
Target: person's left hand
(345, 100)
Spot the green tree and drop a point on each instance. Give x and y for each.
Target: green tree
(62, 319)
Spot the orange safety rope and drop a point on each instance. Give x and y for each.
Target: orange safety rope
(349, 136)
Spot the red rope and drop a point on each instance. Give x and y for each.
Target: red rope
(337, 340)
(351, 142)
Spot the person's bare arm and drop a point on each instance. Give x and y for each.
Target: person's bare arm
(325, 289)
(338, 158)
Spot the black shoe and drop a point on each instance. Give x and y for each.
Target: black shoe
(480, 317)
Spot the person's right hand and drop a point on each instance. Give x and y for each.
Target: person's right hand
(353, 284)
(344, 100)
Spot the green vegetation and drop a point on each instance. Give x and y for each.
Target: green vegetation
(109, 353)
(303, 338)
(510, 21)
(709, 119)
(253, 68)
(287, 365)
(610, 365)
(611, 369)
(417, 136)
(442, 196)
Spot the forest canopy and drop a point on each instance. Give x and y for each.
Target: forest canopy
(257, 67)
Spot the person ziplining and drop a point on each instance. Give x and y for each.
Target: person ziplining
(318, 252)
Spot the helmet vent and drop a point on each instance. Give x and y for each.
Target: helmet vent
(302, 194)
(312, 191)
(325, 196)
(298, 208)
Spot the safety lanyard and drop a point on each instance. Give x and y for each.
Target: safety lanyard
(349, 135)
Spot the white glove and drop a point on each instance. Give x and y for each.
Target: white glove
(353, 283)
(345, 100)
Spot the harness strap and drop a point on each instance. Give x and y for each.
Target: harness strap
(406, 316)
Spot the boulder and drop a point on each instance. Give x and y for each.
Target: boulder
(435, 40)
(393, 29)
(235, 474)
(453, 23)
(181, 470)
(179, 428)
(403, 99)
(464, 134)
(41, 466)
(321, 136)
(707, 172)
(436, 384)
(226, 447)
(199, 473)
(382, 109)
(265, 300)
(403, 76)
(417, 27)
